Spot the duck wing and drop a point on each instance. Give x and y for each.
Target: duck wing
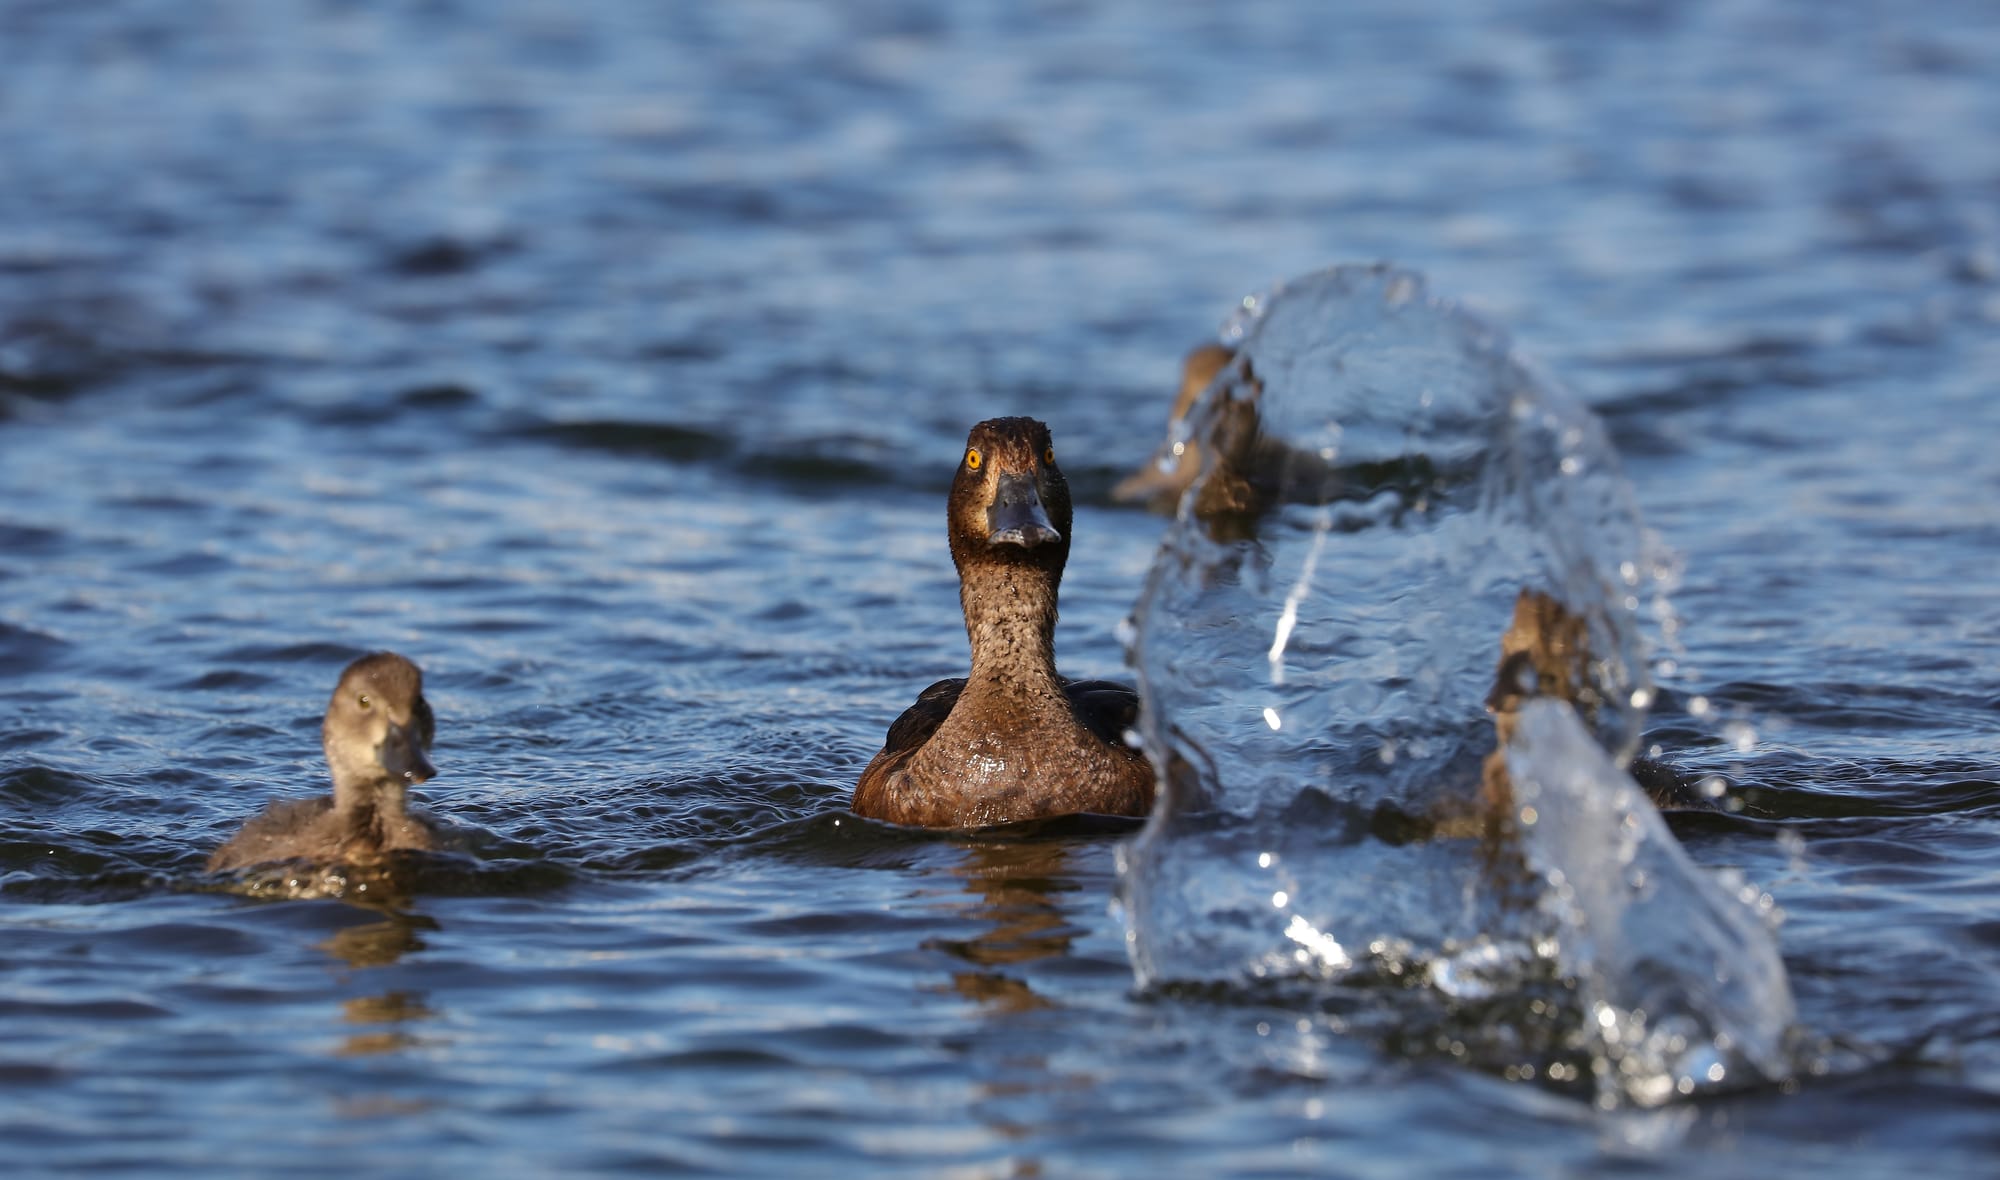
(1107, 707)
(907, 735)
(922, 719)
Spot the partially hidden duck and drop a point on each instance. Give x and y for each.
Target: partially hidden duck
(1014, 740)
(377, 736)
(1159, 482)
(1545, 652)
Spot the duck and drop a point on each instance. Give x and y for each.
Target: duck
(377, 737)
(1159, 482)
(1238, 471)
(1013, 741)
(1545, 652)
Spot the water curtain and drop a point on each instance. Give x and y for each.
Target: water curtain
(1319, 639)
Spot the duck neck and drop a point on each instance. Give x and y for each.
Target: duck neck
(1010, 618)
(368, 803)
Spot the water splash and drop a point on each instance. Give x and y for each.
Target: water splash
(1679, 976)
(1381, 479)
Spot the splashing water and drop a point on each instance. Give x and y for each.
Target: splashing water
(1680, 980)
(1381, 477)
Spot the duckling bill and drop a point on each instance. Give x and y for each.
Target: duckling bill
(377, 736)
(1013, 740)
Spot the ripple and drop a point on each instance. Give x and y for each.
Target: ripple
(24, 650)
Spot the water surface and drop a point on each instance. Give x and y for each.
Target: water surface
(611, 361)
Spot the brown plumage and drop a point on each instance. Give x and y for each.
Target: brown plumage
(1013, 741)
(1159, 482)
(1242, 473)
(1545, 652)
(377, 733)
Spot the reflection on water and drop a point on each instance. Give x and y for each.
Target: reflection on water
(391, 1008)
(378, 944)
(1017, 889)
(381, 944)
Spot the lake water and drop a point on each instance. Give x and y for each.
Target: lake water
(611, 361)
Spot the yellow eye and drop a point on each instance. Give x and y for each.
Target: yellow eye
(972, 458)
(1049, 456)
(364, 702)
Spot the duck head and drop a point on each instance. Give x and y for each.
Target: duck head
(1009, 503)
(378, 730)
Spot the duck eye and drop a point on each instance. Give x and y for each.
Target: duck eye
(1049, 456)
(972, 459)
(364, 702)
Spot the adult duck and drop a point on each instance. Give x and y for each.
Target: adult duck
(1014, 740)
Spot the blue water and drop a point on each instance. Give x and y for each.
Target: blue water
(611, 361)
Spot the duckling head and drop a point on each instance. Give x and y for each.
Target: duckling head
(378, 731)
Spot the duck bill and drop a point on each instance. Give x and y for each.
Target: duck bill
(1017, 516)
(402, 755)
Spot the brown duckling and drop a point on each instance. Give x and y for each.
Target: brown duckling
(1242, 471)
(1013, 741)
(1159, 482)
(1545, 652)
(377, 735)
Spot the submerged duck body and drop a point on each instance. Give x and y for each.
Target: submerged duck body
(377, 736)
(1014, 740)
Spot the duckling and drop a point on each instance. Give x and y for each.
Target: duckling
(1545, 652)
(377, 736)
(1160, 481)
(1014, 740)
(1243, 472)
